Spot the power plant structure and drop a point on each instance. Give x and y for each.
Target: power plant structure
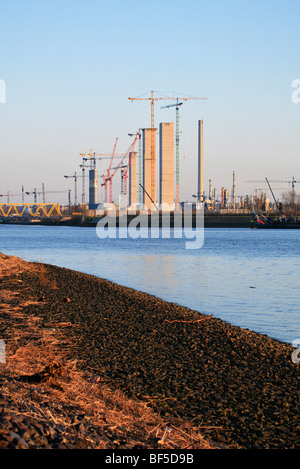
(149, 175)
(152, 133)
(149, 166)
(166, 163)
(150, 179)
(93, 189)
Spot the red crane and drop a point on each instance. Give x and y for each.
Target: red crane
(110, 176)
(125, 176)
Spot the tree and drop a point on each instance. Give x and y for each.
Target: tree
(291, 202)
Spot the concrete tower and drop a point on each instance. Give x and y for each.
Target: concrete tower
(93, 189)
(166, 163)
(149, 168)
(132, 178)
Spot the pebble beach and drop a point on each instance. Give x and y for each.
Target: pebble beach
(220, 385)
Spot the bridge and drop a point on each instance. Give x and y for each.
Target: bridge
(35, 210)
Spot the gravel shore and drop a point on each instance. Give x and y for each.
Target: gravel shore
(236, 387)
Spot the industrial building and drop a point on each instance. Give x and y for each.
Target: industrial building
(166, 163)
(149, 166)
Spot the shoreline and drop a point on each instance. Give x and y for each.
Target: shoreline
(210, 221)
(238, 387)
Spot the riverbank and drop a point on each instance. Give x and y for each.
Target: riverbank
(210, 221)
(93, 364)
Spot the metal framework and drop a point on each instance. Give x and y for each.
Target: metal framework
(38, 210)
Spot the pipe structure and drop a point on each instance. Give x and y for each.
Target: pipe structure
(210, 190)
(233, 190)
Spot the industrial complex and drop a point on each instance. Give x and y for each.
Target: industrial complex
(146, 175)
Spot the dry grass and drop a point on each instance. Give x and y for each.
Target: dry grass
(11, 265)
(31, 348)
(106, 409)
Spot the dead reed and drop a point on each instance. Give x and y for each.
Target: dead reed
(36, 371)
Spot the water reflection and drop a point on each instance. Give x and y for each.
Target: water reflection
(247, 277)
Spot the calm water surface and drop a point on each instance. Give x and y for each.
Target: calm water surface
(249, 278)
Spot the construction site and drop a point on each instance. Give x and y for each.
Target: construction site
(146, 177)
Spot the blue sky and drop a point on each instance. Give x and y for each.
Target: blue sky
(70, 66)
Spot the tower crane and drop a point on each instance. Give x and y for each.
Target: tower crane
(89, 156)
(105, 179)
(92, 157)
(105, 187)
(8, 195)
(108, 177)
(53, 192)
(74, 176)
(35, 194)
(139, 166)
(124, 177)
(152, 99)
(122, 183)
(83, 167)
(292, 182)
(43, 192)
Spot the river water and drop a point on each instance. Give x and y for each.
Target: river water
(249, 278)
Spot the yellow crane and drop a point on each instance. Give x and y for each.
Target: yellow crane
(152, 100)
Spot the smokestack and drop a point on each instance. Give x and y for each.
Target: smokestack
(200, 162)
(223, 196)
(233, 190)
(210, 190)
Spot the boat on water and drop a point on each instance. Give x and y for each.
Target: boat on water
(260, 221)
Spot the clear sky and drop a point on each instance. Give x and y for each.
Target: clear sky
(69, 67)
